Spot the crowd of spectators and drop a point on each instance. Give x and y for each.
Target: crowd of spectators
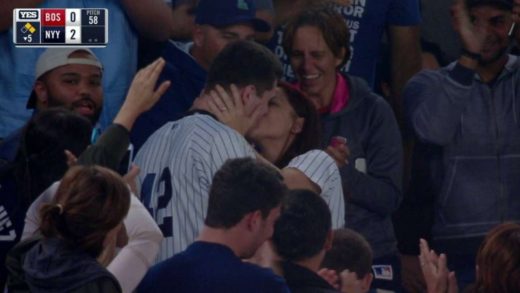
(264, 146)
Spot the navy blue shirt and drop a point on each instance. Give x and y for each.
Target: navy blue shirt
(209, 267)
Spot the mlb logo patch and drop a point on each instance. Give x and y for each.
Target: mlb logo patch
(383, 272)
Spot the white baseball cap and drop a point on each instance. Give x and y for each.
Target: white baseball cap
(55, 57)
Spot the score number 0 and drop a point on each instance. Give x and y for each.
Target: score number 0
(73, 27)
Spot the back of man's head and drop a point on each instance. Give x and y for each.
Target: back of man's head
(244, 63)
(240, 187)
(350, 251)
(302, 228)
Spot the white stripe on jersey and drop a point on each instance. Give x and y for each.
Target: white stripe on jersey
(322, 170)
(177, 165)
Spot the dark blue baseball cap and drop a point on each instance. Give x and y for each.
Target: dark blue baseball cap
(221, 13)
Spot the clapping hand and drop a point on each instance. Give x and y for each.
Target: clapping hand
(435, 271)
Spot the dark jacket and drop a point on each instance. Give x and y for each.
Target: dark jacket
(478, 127)
(372, 179)
(188, 79)
(49, 265)
(12, 214)
(302, 280)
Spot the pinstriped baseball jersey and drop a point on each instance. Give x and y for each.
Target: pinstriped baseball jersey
(322, 170)
(177, 165)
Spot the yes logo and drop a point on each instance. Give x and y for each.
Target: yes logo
(28, 14)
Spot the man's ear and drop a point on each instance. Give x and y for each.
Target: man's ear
(366, 282)
(198, 35)
(298, 125)
(328, 241)
(248, 95)
(253, 220)
(42, 96)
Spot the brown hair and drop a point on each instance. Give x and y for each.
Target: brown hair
(244, 63)
(309, 137)
(40, 159)
(498, 260)
(331, 24)
(90, 201)
(242, 186)
(350, 251)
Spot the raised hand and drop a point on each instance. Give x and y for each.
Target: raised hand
(229, 108)
(435, 271)
(131, 179)
(142, 94)
(339, 151)
(330, 276)
(472, 36)
(71, 158)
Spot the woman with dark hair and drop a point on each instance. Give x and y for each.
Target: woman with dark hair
(78, 226)
(290, 128)
(317, 43)
(39, 162)
(288, 137)
(41, 157)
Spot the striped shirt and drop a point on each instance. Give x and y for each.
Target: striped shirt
(321, 169)
(177, 166)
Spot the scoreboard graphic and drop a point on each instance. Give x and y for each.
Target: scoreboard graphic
(40, 27)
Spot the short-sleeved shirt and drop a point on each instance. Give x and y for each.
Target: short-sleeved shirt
(177, 166)
(366, 20)
(321, 169)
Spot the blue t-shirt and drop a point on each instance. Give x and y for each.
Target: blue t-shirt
(209, 267)
(17, 66)
(366, 20)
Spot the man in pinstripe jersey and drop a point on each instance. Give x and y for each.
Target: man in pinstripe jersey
(179, 160)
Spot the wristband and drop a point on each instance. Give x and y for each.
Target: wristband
(471, 55)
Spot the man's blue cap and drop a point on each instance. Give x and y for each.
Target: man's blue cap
(222, 13)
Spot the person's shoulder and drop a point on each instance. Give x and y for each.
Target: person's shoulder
(254, 274)
(211, 126)
(361, 94)
(315, 154)
(163, 134)
(103, 284)
(163, 275)
(312, 161)
(168, 265)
